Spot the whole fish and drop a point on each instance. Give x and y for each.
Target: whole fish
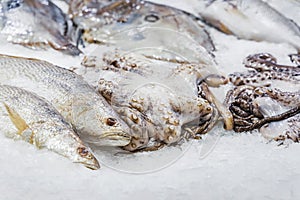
(36, 24)
(24, 115)
(254, 20)
(75, 99)
(141, 24)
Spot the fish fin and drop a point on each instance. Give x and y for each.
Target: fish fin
(16, 119)
(66, 47)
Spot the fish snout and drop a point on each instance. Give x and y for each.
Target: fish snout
(114, 138)
(87, 158)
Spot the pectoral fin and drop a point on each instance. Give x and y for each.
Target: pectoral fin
(16, 119)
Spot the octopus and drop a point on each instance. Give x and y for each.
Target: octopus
(265, 97)
(162, 102)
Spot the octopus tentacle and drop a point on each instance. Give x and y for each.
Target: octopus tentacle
(224, 112)
(262, 78)
(266, 62)
(295, 58)
(244, 100)
(292, 132)
(285, 98)
(106, 88)
(266, 120)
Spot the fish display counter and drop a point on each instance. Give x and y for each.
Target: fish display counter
(161, 99)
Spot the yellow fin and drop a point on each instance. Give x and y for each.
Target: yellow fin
(16, 119)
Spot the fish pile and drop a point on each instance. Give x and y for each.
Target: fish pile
(152, 85)
(31, 118)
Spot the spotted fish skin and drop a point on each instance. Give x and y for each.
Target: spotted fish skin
(26, 116)
(75, 99)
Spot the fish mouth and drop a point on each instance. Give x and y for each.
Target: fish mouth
(111, 138)
(94, 165)
(116, 138)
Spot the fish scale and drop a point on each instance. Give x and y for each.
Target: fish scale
(37, 24)
(23, 115)
(77, 101)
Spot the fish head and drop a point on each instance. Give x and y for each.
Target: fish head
(67, 143)
(98, 123)
(62, 140)
(85, 157)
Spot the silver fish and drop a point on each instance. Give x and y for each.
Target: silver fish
(88, 112)
(24, 115)
(140, 24)
(36, 23)
(288, 8)
(254, 20)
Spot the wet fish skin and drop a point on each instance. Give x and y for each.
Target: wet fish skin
(26, 116)
(37, 24)
(288, 8)
(111, 22)
(254, 20)
(93, 118)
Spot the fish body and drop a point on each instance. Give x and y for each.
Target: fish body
(26, 116)
(288, 8)
(36, 24)
(254, 20)
(139, 24)
(75, 99)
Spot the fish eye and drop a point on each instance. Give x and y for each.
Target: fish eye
(111, 121)
(151, 18)
(82, 151)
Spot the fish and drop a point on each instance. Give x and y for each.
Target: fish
(251, 20)
(77, 101)
(37, 24)
(288, 8)
(143, 25)
(28, 117)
